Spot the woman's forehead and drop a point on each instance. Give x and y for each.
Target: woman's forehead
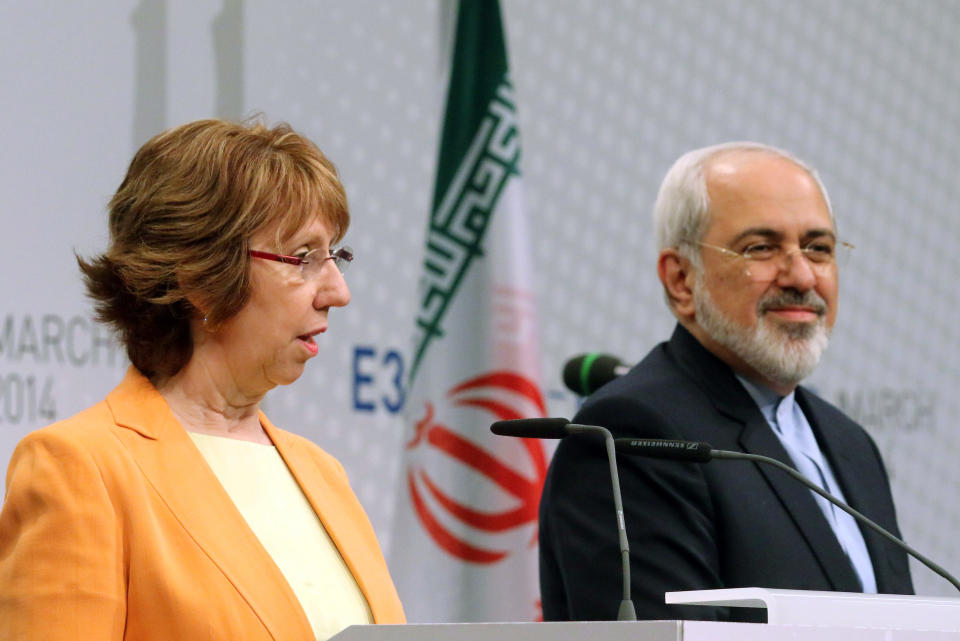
(316, 229)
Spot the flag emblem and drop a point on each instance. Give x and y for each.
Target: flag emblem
(497, 394)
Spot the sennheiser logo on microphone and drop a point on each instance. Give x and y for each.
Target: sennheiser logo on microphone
(677, 445)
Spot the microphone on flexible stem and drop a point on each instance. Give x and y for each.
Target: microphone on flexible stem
(560, 428)
(700, 452)
(586, 373)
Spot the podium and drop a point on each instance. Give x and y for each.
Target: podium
(794, 615)
(836, 609)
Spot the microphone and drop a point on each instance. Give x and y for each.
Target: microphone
(586, 373)
(560, 428)
(699, 452)
(532, 427)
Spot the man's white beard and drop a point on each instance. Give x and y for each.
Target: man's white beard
(783, 353)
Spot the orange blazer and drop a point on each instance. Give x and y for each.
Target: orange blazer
(114, 527)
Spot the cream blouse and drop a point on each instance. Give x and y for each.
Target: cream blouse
(274, 506)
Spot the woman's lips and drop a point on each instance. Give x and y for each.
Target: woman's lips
(310, 344)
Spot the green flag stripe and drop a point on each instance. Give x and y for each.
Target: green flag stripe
(479, 65)
(502, 110)
(459, 224)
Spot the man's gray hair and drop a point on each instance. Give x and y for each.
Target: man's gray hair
(681, 214)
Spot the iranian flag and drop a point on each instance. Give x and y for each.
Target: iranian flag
(464, 543)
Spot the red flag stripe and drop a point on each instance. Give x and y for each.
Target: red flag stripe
(487, 521)
(480, 460)
(506, 380)
(444, 539)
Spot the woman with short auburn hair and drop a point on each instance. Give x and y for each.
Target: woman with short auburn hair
(174, 509)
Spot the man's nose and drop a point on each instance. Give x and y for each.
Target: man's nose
(796, 272)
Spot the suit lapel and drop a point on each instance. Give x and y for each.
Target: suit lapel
(178, 472)
(329, 503)
(757, 437)
(856, 479)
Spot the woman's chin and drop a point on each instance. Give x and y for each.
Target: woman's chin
(284, 375)
(292, 374)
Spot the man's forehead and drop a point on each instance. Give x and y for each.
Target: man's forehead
(733, 162)
(749, 189)
(774, 223)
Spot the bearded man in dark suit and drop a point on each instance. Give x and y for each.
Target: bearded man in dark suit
(748, 263)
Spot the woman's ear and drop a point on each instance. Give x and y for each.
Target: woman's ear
(677, 276)
(196, 308)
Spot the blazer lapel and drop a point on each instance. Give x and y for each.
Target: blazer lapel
(337, 516)
(178, 472)
(756, 437)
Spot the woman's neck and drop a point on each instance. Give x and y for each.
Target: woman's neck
(210, 402)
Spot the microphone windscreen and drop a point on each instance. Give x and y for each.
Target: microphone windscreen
(531, 427)
(692, 451)
(586, 373)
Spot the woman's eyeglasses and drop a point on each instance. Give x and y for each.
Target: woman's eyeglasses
(311, 262)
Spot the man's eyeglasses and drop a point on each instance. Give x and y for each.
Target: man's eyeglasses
(311, 262)
(766, 259)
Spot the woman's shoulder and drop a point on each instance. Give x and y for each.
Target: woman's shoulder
(95, 423)
(78, 456)
(90, 424)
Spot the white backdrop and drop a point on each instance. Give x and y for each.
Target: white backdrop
(608, 93)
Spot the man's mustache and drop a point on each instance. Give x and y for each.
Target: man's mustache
(789, 297)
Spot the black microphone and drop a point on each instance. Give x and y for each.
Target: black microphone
(699, 452)
(532, 428)
(559, 428)
(586, 373)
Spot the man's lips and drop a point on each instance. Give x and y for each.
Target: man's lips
(795, 313)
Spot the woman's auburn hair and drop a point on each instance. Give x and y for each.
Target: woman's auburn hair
(181, 223)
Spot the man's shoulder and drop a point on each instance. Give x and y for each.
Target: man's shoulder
(673, 370)
(656, 370)
(652, 399)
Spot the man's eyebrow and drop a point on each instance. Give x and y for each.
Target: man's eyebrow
(819, 233)
(765, 232)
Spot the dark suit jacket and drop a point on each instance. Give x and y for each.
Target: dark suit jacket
(725, 524)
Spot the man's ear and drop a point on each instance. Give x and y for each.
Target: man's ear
(677, 276)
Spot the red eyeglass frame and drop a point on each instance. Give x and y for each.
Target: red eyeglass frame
(343, 253)
(280, 258)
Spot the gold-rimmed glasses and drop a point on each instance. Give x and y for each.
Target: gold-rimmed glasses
(766, 259)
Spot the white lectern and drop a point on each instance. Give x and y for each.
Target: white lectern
(846, 609)
(792, 615)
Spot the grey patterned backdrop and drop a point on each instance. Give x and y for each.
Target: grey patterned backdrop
(609, 93)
